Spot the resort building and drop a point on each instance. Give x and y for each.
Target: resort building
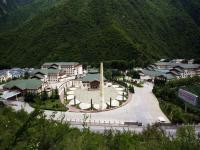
(150, 75)
(185, 70)
(171, 70)
(69, 68)
(92, 80)
(5, 75)
(2, 77)
(164, 65)
(16, 88)
(9, 74)
(46, 75)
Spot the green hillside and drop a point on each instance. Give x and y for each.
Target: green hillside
(6, 6)
(93, 30)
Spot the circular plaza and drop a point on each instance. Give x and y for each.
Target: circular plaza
(91, 100)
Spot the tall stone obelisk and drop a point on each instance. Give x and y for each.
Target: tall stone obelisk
(101, 86)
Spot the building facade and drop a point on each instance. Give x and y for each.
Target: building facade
(185, 70)
(69, 68)
(173, 69)
(46, 75)
(91, 81)
(24, 86)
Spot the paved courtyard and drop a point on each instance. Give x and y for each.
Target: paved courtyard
(85, 96)
(143, 107)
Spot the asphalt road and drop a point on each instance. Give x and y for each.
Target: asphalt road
(143, 107)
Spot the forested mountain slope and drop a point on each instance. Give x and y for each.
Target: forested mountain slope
(93, 30)
(8, 5)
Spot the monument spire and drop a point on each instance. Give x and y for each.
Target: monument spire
(101, 86)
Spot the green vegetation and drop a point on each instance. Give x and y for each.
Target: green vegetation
(131, 89)
(133, 74)
(193, 88)
(171, 105)
(44, 101)
(50, 104)
(20, 131)
(197, 61)
(138, 84)
(54, 94)
(91, 30)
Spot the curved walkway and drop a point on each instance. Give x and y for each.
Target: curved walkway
(143, 107)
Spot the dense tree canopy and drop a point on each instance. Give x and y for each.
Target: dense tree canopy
(91, 31)
(172, 105)
(19, 130)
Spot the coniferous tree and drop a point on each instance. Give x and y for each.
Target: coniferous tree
(56, 93)
(29, 97)
(26, 75)
(44, 95)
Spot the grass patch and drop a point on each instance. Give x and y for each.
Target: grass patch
(176, 114)
(49, 105)
(140, 84)
(193, 89)
(172, 105)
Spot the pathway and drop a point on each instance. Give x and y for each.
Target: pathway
(143, 108)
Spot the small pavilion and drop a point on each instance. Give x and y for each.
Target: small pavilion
(92, 80)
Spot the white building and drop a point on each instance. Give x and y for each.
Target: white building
(46, 75)
(185, 70)
(70, 68)
(5, 75)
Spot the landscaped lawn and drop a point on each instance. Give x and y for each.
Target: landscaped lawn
(49, 105)
(194, 89)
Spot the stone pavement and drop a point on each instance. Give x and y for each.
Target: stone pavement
(85, 96)
(143, 107)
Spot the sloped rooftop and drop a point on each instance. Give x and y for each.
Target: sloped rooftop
(30, 84)
(154, 73)
(45, 71)
(91, 77)
(61, 63)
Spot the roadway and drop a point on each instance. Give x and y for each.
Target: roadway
(143, 107)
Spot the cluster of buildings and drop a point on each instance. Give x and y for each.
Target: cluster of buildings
(170, 70)
(9, 74)
(50, 76)
(40, 79)
(57, 72)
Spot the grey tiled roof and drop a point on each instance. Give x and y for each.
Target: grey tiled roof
(38, 76)
(174, 73)
(24, 84)
(91, 77)
(188, 66)
(151, 73)
(44, 71)
(166, 63)
(185, 66)
(177, 70)
(154, 73)
(61, 63)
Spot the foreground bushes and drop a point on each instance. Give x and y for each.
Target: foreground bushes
(20, 131)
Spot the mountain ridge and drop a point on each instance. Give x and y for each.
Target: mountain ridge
(92, 30)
